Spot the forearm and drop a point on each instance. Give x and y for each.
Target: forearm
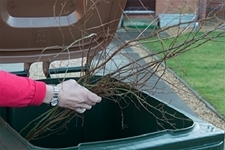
(20, 91)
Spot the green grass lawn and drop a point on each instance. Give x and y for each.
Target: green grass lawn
(203, 68)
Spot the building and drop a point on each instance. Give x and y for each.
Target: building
(202, 8)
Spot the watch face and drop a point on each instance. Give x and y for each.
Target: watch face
(54, 103)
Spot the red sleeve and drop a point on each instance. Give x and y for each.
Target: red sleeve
(18, 91)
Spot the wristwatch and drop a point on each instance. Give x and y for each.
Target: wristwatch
(54, 100)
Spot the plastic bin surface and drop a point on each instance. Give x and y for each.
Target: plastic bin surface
(38, 30)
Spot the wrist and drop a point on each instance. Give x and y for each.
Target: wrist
(48, 94)
(51, 96)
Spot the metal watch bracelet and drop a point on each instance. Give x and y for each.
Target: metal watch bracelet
(54, 100)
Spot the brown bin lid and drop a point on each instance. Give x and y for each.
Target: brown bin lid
(36, 30)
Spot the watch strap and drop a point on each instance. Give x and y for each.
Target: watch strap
(54, 100)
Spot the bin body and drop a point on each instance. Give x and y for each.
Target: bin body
(103, 127)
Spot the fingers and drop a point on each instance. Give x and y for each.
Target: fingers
(80, 110)
(91, 102)
(87, 96)
(84, 106)
(76, 97)
(93, 97)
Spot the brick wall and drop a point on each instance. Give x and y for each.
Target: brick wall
(199, 7)
(185, 6)
(176, 6)
(216, 7)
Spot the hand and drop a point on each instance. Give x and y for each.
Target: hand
(74, 96)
